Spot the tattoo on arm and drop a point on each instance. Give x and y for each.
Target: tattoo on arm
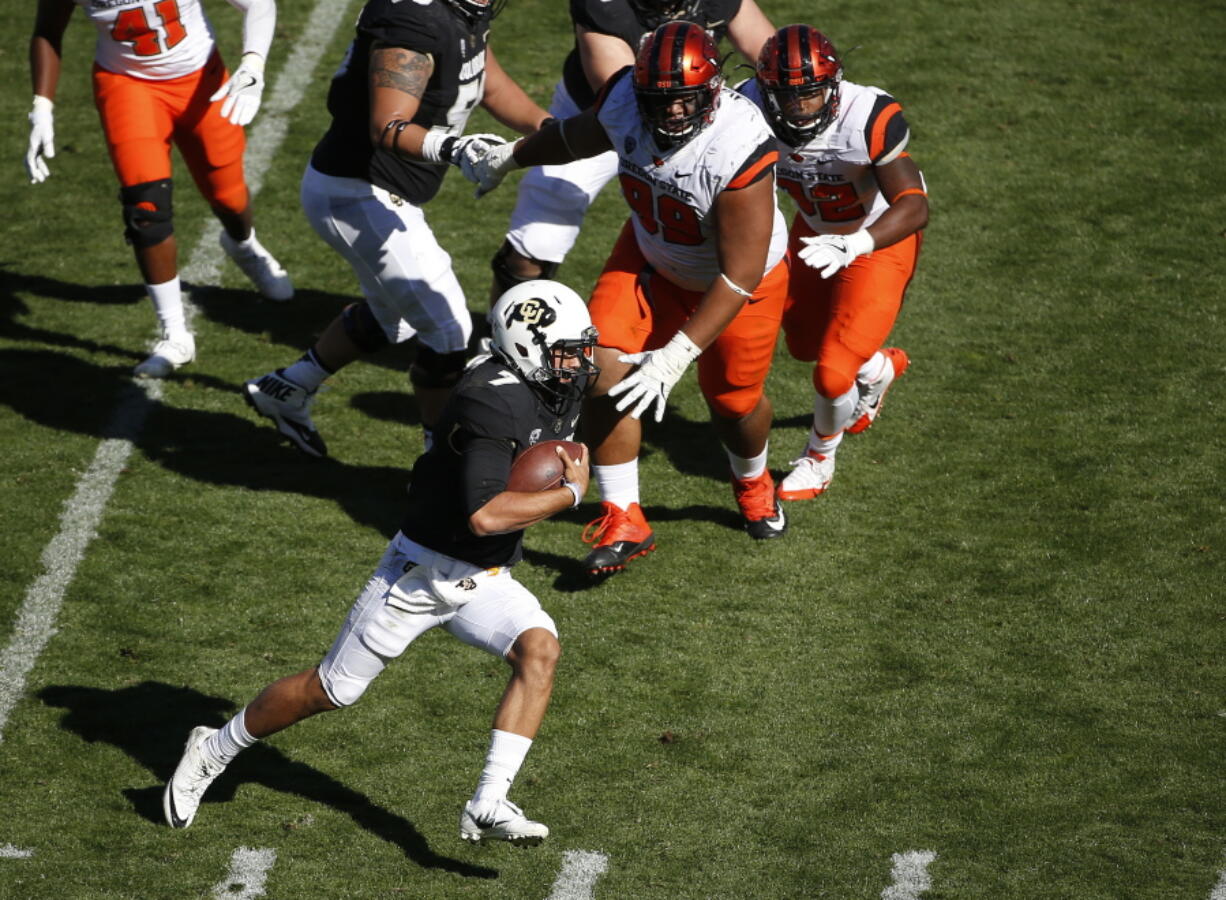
(401, 70)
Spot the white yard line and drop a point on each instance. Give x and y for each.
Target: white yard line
(79, 521)
(8, 851)
(580, 869)
(1219, 892)
(248, 872)
(78, 526)
(910, 874)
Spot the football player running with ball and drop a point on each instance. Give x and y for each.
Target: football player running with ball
(861, 207)
(450, 565)
(158, 77)
(698, 272)
(399, 103)
(553, 200)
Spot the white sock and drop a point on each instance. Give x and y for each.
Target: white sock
(229, 741)
(502, 762)
(249, 243)
(872, 368)
(618, 484)
(823, 446)
(308, 372)
(167, 300)
(745, 469)
(830, 417)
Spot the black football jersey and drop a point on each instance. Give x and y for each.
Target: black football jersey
(491, 415)
(455, 88)
(618, 18)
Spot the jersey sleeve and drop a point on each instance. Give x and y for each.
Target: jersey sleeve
(886, 131)
(759, 164)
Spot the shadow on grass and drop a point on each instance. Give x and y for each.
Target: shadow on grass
(149, 721)
(212, 447)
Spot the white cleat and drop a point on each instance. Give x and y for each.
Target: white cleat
(869, 405)
(501, 820)
(260, 266)
(168, 354)
(810, 476)
(186, 787)
(289, 406)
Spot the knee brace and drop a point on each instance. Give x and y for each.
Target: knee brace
(363, 328)
(432, 369)
(505, 279)
(147, 212)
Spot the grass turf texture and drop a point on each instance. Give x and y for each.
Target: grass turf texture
(998, 637)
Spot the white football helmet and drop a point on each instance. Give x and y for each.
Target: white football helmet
(542, 329)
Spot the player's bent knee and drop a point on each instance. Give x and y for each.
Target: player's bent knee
(832, 383)
(511, 267)
(147, 212)
(363, 328)
(735, 404)
(536, 652)
(432, 369)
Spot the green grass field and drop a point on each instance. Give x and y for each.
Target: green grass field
(998, 639)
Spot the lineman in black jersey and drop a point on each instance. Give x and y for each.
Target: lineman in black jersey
(450, 564)
(553, 200)
(399, 104)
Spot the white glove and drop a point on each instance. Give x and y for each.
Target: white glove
(42, 139)
(471, 149)
(243, 90)
(831, 252)
(488, 171)
(658, 372)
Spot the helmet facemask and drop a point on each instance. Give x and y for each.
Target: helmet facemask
(677, 81)
(797, 67)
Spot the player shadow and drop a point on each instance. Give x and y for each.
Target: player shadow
(221, 448)
(572, 574)
(149, 722)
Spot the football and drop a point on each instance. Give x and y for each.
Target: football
(538, 468)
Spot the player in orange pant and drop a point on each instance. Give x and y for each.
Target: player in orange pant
(861, 207)
(158, 78)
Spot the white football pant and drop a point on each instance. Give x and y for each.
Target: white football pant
(553, 200)
(414, 590)
(405, 274)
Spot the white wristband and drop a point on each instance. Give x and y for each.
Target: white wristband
(861, 242)
(252, 60)
(574, 489)
(437, 146)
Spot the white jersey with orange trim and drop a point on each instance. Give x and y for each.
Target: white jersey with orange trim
(831, 177)
(151, 39)
(672, 196)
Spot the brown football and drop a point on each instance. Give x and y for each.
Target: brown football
(538, 468)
